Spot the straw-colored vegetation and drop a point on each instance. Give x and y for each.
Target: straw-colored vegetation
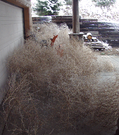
(49, 93)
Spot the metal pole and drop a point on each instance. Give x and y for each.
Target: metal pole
(76, 28)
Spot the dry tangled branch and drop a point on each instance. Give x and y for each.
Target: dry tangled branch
(48, 94)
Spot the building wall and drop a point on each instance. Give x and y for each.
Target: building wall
(11, 35)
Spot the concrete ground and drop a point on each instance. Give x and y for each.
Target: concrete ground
(112, 75)
(113, 59)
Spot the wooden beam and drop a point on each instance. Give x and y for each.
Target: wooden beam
(76, 28)
(27, 20)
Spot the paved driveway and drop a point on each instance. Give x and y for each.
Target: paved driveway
(110, 76)
(113, 59)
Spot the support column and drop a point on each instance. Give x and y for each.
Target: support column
(75, 22)
(75, 18)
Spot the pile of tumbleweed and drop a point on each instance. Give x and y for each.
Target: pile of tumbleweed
(53, 87)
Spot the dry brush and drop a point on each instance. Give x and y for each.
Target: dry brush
(49, 93)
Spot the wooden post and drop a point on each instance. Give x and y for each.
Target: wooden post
(75, 23)
(76, 28)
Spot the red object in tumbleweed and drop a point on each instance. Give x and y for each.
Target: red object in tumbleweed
(59, 50)
(53, 40)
